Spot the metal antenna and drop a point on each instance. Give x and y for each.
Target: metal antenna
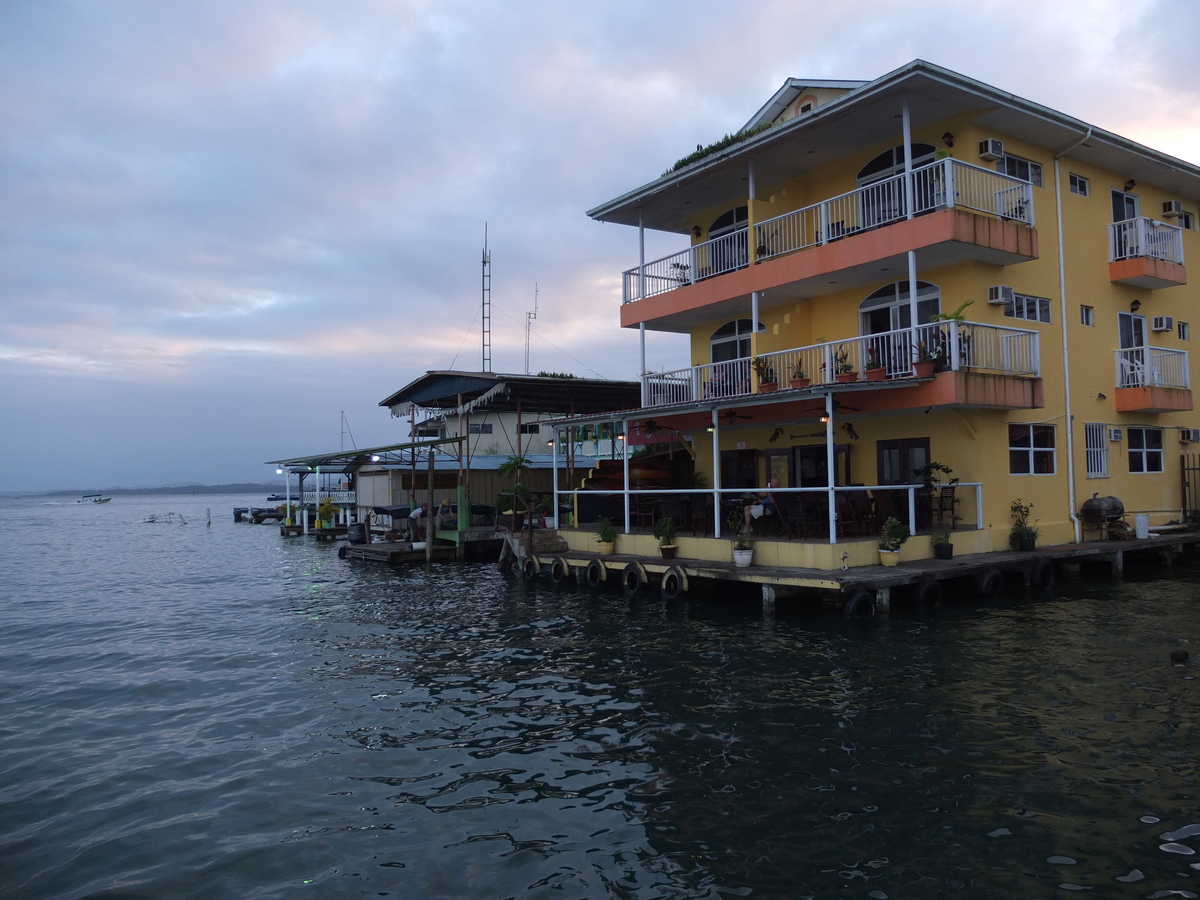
(529, 317)
(487, 304)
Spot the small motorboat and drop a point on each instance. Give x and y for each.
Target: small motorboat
(94, 498)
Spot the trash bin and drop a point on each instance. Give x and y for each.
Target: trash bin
(1141, 526)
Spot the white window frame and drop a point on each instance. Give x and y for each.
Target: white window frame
(1186, 221)
(1095, 439)
(1184, 330)
(1022, 305)
(1032, 452)
(531, 427)
(1141, 457)
(1080, 185)
(479, 428)
(1087, 316)
(1033, 171)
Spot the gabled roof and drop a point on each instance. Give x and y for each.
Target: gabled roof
(793, 88)
(492, 392)
(869, 115)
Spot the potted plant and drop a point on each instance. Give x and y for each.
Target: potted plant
(326, 513)
(940, 537)
(925, 361)
(664, 530)
(743, 541)
(606, 536)
(766, 375)
(799, 378)
(1024, 536)
(843, 369)
(892, 536)
(875, 370)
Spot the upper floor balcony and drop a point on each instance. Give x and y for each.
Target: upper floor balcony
(943, 185)
(1153, 379)
(1003, 364)
(1146, 253)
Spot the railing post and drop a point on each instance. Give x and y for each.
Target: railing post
(1036, 340)
(955, 350)
(695, 384)
(979, 506)
(912, 510)
(645, 390)
(693, 258)
(828, 364)
(948, 175)
(824, 223)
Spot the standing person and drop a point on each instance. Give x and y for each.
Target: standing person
(765, 507)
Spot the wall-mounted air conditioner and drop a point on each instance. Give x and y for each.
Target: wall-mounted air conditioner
(1000, 294)
(1189, 435)
(991, 149)
(1172, 209)
(1162, 323)
(1115, 434)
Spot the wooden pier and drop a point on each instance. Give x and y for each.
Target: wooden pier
(395, 554)
(861, 591)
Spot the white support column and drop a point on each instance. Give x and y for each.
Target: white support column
(287, 490)
(751, 244)
(641, 260)
(642, 370)
(908, 181)
(754, 334)
(317, 495)
(830, 465)
(716, 450)
(554, 471)
(625, 463)
(912, 294)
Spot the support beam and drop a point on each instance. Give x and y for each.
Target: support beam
(716, 451)
(831, 467)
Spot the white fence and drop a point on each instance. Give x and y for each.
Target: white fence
(1152, 367)
(1145, 237)
(339, 498)
(942, 184)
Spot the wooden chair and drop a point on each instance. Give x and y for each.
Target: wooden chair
(700, 520)
(849, 521)
(943, 505)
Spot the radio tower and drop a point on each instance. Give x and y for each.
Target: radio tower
(487, 304)
(529, 317)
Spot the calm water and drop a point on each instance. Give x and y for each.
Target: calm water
(191, 711)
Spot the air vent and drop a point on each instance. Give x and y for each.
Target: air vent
(1000, 294)
(1115, 434)
(1162, 323)
(1172, 209)
(991, 149)
(1189, 435)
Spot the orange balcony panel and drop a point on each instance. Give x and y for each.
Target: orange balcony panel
(1153, 399)
(1147, 272)
(944, 237)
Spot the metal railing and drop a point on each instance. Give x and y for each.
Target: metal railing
(951, 345)
(943, 184)
(339, 498)
(1145, 237)
(1152, 367)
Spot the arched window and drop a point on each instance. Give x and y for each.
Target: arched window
(732, 340)
(891, 162)
(888, 310)
(733, 220)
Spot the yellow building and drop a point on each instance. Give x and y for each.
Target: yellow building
(859, 228)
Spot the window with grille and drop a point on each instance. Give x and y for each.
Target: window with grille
(1031, 449)
(1095, 439)
(1145, 450)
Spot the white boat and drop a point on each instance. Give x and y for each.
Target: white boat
(94, 498)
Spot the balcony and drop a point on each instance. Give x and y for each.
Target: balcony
(1151, 379)
(1146, 254)
(946, 184)
(1002, 365)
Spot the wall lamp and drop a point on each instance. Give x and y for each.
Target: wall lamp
(1130, 184)
(1135, 306)
(375, 457)
(948, 139)
(824, 420)
(550, 443)
(696, 230)
(1101, 397)
(279, 471)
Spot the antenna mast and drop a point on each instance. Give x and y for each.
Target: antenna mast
(487, 304)
(529, 317)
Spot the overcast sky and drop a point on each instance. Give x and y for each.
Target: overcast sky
(224, 223)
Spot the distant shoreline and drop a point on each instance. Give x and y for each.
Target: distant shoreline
(238, 488)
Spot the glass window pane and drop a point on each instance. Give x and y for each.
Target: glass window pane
(1043, 436)
(1018, 462)
(1153, 439)
(1154, 462)
(1018, 436)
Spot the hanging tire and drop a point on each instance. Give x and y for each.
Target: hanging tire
(595, 573)
(860, 605)
(633, 579)
(988, 583)
(929, 594)
(1043, 575)
(531, 568)
(559, 571)
(674, 584)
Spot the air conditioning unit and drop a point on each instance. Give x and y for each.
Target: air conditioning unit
(1189, 435)
(1115, 434)
(1172, 209)
(1000, 294)
(991, 149)
(1162, 323)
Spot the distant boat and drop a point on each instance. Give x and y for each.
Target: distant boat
(94, 498)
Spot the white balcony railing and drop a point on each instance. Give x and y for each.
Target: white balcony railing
(1145, 237)
(339, 498)
(969, 345)
(942, 184)
(1152, 367)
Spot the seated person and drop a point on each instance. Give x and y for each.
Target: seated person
(764, 507)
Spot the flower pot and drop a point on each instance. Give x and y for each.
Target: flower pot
(767, 387)
(943, 551)
(889, 557)
(801, 383)
(605, 548)
(667, 550)
(877, 374)
(846, 377)
(1027, 544)
(742, 558)
(924, 369)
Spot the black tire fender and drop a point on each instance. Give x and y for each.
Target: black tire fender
(674, 584)
(595, 573)
(531, 568)
(929, 593)
(633, 579)
(988, 583)
(1043, 575)
(859, 605)
(560, 571)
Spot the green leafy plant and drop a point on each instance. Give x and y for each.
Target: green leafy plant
(664, 531)
(736, 522)
(798, 370)
(841, 360)
(893, 534)
(959, 315)
(940, 535)
(715, 147)
(1022, 533)
(606, 531)
(873, 359)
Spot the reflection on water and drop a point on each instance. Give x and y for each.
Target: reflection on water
(217, 712)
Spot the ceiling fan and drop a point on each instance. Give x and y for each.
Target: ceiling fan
(731, 416)
(838, 406)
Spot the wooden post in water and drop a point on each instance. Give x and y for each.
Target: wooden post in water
(429, 514)
(464, 513)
